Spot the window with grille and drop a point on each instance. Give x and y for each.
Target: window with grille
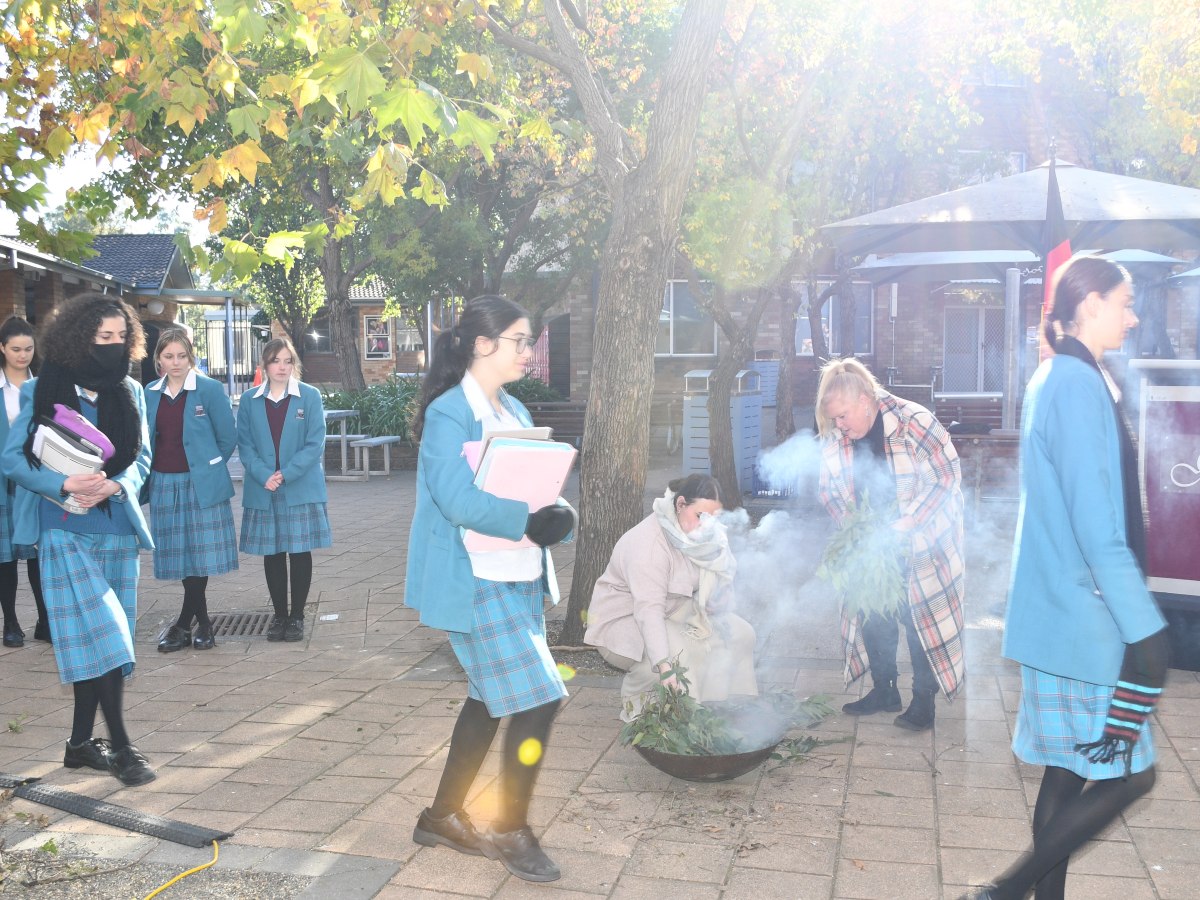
(973, 350)
(837, 338)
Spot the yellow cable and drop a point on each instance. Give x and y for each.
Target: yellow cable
(182, 875)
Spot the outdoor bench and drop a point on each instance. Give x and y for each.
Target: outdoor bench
(984, 410)
(362, 447)
(565, 417)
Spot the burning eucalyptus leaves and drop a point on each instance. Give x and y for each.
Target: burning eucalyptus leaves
(864, 562)
(672, 722)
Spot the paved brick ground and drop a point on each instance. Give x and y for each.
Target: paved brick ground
(319, 755)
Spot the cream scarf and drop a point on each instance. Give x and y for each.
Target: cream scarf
(707, 547)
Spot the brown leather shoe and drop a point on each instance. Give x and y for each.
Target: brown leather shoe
(454, 831)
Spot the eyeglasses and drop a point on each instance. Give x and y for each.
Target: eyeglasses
(522, 343)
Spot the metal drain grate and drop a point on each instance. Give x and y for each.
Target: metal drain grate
(240, 624)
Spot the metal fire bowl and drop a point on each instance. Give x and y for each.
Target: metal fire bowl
(731, 765)
(706, 768)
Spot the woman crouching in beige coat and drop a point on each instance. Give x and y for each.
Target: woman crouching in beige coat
(666, 599)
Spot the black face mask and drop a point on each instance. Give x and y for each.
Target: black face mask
(106, 364)
(109, 357)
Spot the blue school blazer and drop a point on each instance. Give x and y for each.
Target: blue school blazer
(301, 448)
(33, 483)
(439, 582)
(209, 436)
(1077, 595)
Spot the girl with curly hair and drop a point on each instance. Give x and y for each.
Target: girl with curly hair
(17, 350)
(89, 560)
(192, 436)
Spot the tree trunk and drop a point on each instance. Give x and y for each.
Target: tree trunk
(785, 398)
(343, 323)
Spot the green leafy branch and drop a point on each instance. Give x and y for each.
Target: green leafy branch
(863, 562)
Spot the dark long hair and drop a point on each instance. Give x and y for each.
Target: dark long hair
(15, 326)
(66, 346)
(1078, 277)
(486, 316)
(696, 487)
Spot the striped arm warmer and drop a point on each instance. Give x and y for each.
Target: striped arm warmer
(1139, 686)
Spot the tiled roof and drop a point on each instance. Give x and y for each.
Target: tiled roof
(141, 260)
(371, 289)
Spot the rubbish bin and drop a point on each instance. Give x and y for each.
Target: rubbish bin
(745, 416)
(766, 364)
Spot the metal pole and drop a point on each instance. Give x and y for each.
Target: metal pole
(229, 345)
(1013, 347)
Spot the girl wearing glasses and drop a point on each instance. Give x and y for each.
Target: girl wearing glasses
(490, 603)
(281, 442)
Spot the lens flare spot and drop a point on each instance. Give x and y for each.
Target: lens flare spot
(529, 752)
(565, 672)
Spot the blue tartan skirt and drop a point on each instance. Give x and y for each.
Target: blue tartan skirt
(90, 586)
(189, 539)
(285, 529)
(1057, 713)
(9, 551)
(508, 663)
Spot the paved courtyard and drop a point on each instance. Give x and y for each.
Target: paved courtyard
(320, 755)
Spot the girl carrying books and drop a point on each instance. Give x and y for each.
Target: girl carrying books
(281, 442)
(16, 346)
(89, 561)
(192, 436)
(489, 603)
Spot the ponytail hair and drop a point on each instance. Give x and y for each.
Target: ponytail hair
(486, 316)
(1079, 276)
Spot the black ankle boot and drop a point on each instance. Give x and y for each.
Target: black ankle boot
(919, 715)
(883, 697)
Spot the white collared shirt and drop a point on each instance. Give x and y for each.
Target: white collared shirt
(12, 396)
(189, 384)
(293, 388)
(524, 563)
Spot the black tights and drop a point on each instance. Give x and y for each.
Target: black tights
(473, 735)
(106, 693)
(1068, 814)
(276, 567)
(195, 602)
(8, 591)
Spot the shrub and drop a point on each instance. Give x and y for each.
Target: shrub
(531, 390)
(386, 408)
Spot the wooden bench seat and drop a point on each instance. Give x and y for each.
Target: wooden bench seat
(984, 410)
(362, 447)
(565, 417)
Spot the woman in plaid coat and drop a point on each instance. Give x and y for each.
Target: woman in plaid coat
(192, 436)
(872, 437)
(490, 603)
(89, 561)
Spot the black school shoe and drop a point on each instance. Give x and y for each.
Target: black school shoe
(41, 632)
(276, 629)
(14, 636)
(91, 754)
(521, 854)
(174, 638)
(203, 639)
(294, 630)
(130, 767)
(454, 831)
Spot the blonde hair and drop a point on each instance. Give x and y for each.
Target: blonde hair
(278, 345)
(174, 336)
(842, 378)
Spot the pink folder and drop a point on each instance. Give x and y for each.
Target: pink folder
(518, 469)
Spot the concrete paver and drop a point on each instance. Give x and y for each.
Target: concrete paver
(320, 755)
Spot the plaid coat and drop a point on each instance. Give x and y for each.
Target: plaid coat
(925, 465)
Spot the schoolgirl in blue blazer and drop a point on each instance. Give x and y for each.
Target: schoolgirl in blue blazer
(1087, 633)
(489, 603)
(89, 559)
(192, 435)
(17, 349)
(281, 442)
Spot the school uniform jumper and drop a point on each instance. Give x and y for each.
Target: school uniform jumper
(89, 562)
(495, 627)
(1077, 595)
(293, 518)
(8, 550)
(189, 487)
